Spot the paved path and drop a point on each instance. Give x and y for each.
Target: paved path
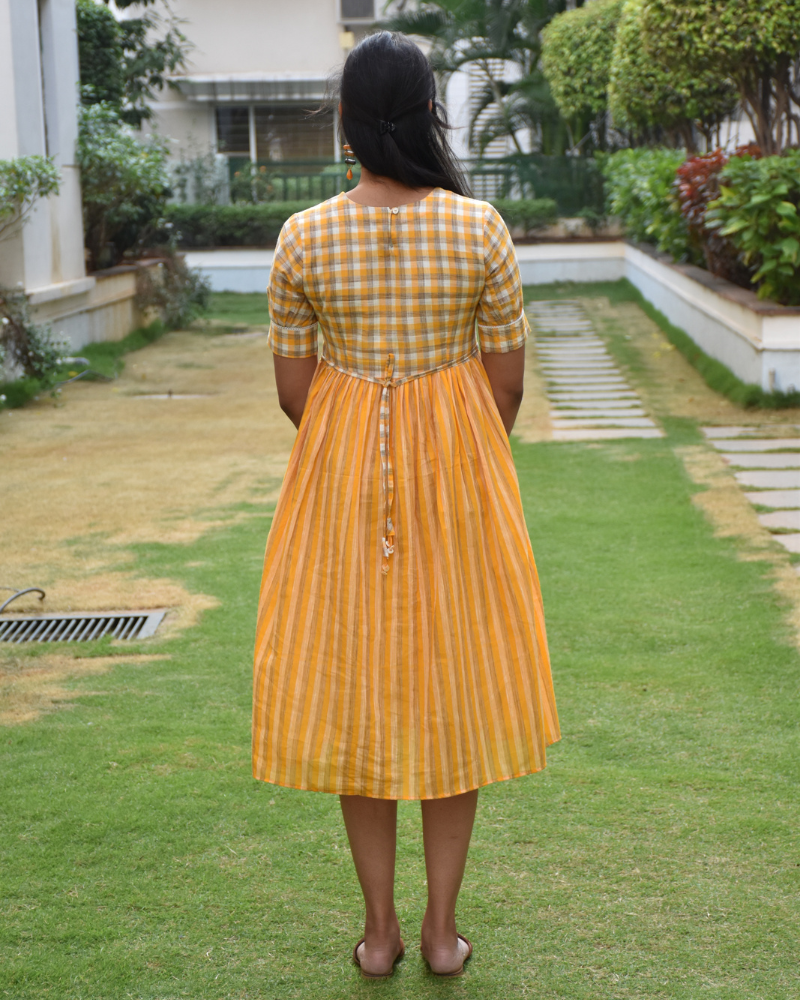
(589, 397)
(769, 469)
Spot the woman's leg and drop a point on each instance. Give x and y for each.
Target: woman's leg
(446, 831)
(372, 831)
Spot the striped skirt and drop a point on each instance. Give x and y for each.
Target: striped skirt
(426, 680)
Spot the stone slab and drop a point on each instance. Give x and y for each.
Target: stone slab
(586, 382)
(589, 404)
(593, 394)
(728, 432)
(776, 498)
(759, 444)
(601, 367)
(790, 542)
(606, 433)
(781, 519)
(605, 422)
(591, 414)
(769, 480)
(770, 460)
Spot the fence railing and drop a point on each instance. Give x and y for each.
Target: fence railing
(574, 183)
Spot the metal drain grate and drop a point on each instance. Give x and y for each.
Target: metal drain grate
(80, 627)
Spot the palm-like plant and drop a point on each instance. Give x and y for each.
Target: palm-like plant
(489, 34)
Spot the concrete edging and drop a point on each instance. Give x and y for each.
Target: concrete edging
(758, 341)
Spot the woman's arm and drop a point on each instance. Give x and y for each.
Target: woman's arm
(293, 378)
(506, 373)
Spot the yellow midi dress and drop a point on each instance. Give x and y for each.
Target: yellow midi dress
(400, 647)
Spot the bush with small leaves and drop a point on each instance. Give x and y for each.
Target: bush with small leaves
(641, 193)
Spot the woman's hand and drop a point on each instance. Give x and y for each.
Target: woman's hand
(506, 373)
(293, 378)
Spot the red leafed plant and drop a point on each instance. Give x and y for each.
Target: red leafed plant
(697, 184)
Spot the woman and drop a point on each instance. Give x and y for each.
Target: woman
(401, 650)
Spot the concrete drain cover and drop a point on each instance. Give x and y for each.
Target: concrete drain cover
(80, 627)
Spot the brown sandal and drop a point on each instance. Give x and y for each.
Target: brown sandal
(375, 975)
(458, 972)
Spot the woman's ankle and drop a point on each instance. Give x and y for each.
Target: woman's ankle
(382, 927)
(439, 927)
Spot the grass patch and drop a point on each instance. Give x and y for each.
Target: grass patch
(654, 858)
(239, 308)
(716, 375)
(106, 356)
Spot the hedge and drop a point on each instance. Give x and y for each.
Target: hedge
(259, 225)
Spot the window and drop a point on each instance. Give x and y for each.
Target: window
(233, 130)
(282, 132)
(358, 10)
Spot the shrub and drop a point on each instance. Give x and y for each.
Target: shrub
(528, 214)
(178, 292)
(22, 181)
(126, 61)
(648, 96)
(758, 212)
(577, 47)
(25, 346)
(697, 185)
(225, 225)
(640, 191)
(124, 182)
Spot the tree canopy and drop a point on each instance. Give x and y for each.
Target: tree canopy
(577, 47)
(754, 46)
(124, 62)
(648, 95)
(489, 35)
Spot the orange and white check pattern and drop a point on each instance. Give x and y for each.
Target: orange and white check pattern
(410, 282)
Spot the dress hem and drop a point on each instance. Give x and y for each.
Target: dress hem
(408, 798)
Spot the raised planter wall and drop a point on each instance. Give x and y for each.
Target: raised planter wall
(758, 341)
(87, 310)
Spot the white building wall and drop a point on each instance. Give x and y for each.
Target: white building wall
(38, 115)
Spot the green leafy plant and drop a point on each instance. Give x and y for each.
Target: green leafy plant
(697, 185)
(640, 191)
(759, 212)
(752, 47)
(527, 214)
(488, 36)
(125, 62)
(224, 225)
(201, 180)
(663, 100)
(23, 181)
(26, 347)
(124, 183)
(577, 48)
(179, 293)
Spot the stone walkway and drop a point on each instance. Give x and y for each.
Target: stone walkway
(588, 395)
(769, 470)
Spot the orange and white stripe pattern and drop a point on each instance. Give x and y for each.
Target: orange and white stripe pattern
(433, 678)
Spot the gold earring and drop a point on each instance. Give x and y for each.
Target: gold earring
(349, 159)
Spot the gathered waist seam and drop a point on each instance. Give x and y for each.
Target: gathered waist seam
(387, 382)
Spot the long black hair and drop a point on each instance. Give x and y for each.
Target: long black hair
(386, 86)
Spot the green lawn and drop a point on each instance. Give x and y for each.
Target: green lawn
(656, 857)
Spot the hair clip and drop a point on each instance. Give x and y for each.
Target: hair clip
(386, 127)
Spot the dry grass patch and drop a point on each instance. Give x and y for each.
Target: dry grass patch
(32, 686)
(106, 468)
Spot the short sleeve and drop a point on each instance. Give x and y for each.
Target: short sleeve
(502, 324)
(292, 320)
